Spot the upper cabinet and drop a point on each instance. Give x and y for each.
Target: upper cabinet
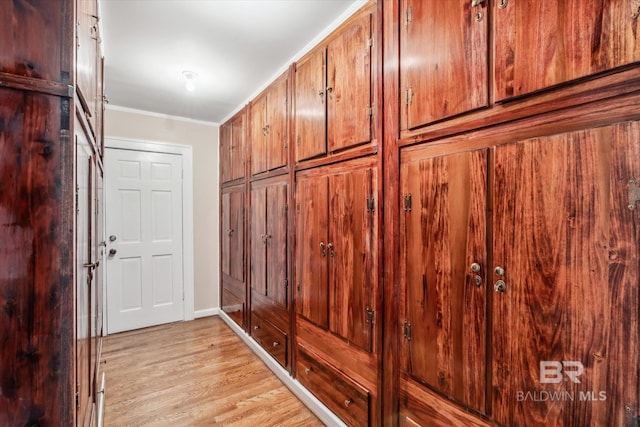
(542, 44)
(269, 136)
(232, 153)
(333, 95)
(87, 39)
(443, 60)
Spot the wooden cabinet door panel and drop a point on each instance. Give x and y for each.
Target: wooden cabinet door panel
(237, 148)
(349, 86)
(258, 135)
(225, 152)
(442, 235)
(350, 255)
(236, 243)
(277, 136)
(258, 241)
(276, 242)
(87, 54)
(225, 234)
(310, 108)
(311, 249)
(542, 44)
(569, 246)
(443, 60)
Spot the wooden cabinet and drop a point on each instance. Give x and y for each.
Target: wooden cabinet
(88, 60)
(443, 60)
(232, 148)
(560, 273)
(573, 39)
(333, 93)
(269, 125)
(336, 219)
(233, 251)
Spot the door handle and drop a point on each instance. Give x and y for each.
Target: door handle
(330, 247)
(112, 252)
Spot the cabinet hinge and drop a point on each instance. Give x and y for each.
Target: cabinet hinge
(371, 203)
(407, 202)
(407, 330)
(370, 112)
(286, 208)
(634, 193)
(409, 95)
(369, 315)
(77, 399)
(408, 16)
(297, 207)
(286, 285)
(370, 42)
(77, 200)
(286, 145)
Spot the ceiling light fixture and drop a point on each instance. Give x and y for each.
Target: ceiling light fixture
(190, 77)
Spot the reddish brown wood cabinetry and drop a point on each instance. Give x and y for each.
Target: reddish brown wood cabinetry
(233, 252)
(269, 136)
(232, 148)
(333, 92)
(88, 59)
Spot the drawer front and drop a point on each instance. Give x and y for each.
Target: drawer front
(233, 306)
(270, 338)
(346, 398)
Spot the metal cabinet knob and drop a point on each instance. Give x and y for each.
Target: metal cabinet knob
(500, 286)
(499, 271)
(306, 371)
(475, 267)
(276, 343)
(347, 402)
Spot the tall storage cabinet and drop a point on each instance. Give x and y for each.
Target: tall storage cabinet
(50, 208)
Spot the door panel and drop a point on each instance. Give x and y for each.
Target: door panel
(259, 264)
(236, 236)
(310, 108)
(277, 135)
(225, 235)
(145, 274)
(237, 151)
(567, 241)
(442, 235)
(350, 259)
(349, 77)
(311, 248)
(276, 243)
(572, 40)
(443, 60)
(258, 135)
(225, 152)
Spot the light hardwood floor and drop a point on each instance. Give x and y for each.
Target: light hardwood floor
(196, 373)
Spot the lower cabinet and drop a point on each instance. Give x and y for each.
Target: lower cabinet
(348, 399)
(270, 338)
(519, 281)
(233, 253)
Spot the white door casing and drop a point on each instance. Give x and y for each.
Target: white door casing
(149, 211)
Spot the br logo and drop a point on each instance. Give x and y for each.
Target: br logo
(553, 372)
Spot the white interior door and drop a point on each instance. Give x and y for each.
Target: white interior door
(144, 244)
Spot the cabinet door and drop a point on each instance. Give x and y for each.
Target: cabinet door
(233, 235)
(277, 135)
(443, 60)
(350, 255)
(349, 86)
(311, 249)
(276, 242)
(567, 321)
(258, 242)
(572, 39)
(443, 234)
(310, 108)
(258, 135)
(225, 152)
(87, 54)
(237, 148)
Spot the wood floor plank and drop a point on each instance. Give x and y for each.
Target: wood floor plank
(189, 374)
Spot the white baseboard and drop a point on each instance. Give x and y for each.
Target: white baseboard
(314, 405)
(206, 312)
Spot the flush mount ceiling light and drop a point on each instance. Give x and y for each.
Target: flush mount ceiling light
(190, 77)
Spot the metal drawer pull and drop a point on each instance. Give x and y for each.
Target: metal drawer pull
(347, 402)
(256, 327)
(276, 343)
(306, 371)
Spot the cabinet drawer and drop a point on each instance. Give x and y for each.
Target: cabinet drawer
(270, 338)
(345, 397)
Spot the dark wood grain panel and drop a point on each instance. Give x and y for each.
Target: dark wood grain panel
(277, 121)
(232, 233)
(572, 40)
(271, 311)
(31, 36)
(233, 303)
(443, 60)
(349, 80)
(571, 274)
(258, 264)
(312, 298)
(274, 341)
(36, 257)
(276, 243)
(237, 147)
(258, 133)
(443, 234)
(351, 280)
(310, 130)
(225, 151)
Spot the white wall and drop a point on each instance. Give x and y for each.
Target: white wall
(203, 137)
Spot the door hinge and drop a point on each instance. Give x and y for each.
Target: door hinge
(297, 207)
(407, 202)
(371, 204)
(634, 193)
(77, 200)
(286, 285)
(286, 145)
(408, 16)
(77, 399)
(286, 208)
(409, 92)
(407, 330)
(370, 315)
(370, 112)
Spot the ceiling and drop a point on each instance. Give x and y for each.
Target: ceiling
(236, 47)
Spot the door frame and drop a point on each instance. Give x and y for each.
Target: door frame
(186, 154)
